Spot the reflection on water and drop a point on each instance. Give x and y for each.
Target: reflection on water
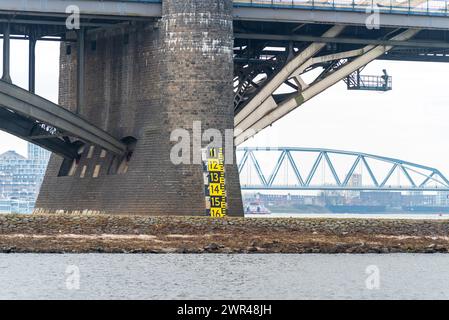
(275, 276)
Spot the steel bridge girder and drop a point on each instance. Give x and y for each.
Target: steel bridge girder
(284, 155)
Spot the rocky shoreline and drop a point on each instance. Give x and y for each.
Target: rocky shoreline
(142, 234)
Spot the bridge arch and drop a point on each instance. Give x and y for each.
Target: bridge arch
(48, 125)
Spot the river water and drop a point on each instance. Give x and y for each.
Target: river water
(386, 215)
(274, 276)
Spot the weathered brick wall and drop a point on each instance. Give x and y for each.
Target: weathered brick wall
(145, 81)
(197, 79)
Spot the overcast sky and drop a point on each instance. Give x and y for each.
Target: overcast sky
(409, 122)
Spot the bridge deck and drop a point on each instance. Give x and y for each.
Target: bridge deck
(126, 8)
(408, 13)
(409, 7)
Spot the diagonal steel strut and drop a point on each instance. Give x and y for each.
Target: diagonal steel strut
(260, 120)
(284, 75)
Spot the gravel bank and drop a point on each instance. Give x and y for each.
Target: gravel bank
(139, 234)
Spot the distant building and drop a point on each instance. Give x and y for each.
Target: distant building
(386, 198)
(443, 199)
(21, 179)
(38, 154)
(418, 199)
(356, 180)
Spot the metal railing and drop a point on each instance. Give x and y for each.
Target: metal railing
(368, 82)
(411, 7)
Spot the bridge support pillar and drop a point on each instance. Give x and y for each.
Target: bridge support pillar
(32, 63)
(7, 54)
(143, 82)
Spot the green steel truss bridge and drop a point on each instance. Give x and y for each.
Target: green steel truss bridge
(324, 169)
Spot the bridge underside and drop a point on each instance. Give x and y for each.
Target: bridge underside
(271, 58)
(428, 45)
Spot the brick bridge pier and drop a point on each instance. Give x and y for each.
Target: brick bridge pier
(142, 82)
